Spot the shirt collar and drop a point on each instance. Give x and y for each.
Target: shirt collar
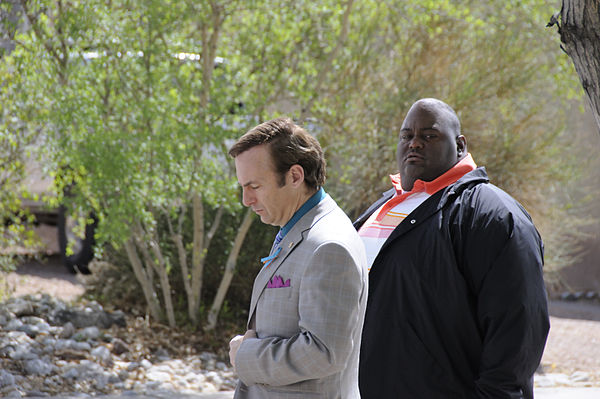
(307, 206)
(463, 167)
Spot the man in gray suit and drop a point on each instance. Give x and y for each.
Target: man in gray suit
(308, 301)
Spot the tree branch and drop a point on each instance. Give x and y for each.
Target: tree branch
(143, 278)
(213, 314)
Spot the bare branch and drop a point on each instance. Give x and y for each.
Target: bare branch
(177, 239)
(213, 314)
(215, 225)
(143, 278)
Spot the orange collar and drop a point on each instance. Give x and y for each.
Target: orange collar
(452, 175)
(430, 187)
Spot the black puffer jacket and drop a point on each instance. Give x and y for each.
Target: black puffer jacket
(457, 306)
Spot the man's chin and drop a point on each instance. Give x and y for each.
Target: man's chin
(266, 220)
(412, 171)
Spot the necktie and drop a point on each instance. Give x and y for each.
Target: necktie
(278, 238)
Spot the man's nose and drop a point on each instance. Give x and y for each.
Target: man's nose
(247, 198)
(415, 142)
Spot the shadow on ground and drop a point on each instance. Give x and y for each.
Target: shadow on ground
(580, 310)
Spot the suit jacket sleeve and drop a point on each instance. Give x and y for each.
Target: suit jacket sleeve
(329, 312)
(503, 257)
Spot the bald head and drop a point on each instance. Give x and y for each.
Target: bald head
(429, 143)
(443, 110)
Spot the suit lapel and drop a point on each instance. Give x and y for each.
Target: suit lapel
(288, 244)
(291, 240)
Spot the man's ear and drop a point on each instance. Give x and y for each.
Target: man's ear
(461, 146)
(296, 173)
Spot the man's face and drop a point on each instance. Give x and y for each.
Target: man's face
(427, 145)
(260, 186)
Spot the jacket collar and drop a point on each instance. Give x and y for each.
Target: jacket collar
(461, 168)
(476, 176)
(436, 202)
(385, 196)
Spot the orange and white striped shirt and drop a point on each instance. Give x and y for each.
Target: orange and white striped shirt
(379, 226)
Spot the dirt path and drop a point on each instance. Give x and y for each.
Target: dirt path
(50, 277)
(574, 341)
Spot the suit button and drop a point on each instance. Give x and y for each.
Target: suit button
(413, 221)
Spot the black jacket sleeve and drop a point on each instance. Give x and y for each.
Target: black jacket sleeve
(502, 259)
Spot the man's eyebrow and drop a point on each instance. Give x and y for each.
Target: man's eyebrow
(251, 182)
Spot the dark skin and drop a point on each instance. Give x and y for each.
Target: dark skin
(429, 143)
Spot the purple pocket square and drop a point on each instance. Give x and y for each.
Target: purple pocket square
(277, 282)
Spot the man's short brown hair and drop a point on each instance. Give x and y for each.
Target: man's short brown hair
(289, 145)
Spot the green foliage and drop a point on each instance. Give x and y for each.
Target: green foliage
(131, 117)
(121, 110)
(135, 103)
(492, 62)
(136, 119)
(16, 140)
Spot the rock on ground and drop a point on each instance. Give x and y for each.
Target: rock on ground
(49, 347)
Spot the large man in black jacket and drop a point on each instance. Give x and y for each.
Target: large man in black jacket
(457, 306)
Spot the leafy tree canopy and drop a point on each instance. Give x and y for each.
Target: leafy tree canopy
(136, 101)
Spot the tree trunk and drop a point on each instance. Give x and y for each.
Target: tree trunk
(197, 257)
(177, 238)
(161, 269)
(579, 29)
(213, 314)
(200, 243)
(143, 241)
(142, 277)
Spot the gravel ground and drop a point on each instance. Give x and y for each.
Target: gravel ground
(571, 358)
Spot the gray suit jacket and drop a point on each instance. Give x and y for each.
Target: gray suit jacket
(308, 309)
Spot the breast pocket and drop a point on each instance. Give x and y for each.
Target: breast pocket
(277, 312)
